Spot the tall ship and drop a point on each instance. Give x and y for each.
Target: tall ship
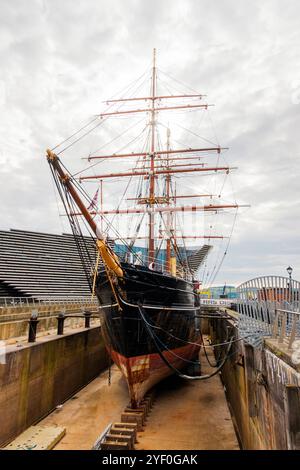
(151, 251)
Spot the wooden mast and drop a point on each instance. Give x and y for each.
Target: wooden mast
(151, 246)
(169, 215)
(101, 202)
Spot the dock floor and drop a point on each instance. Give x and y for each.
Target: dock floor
(190, 415)
(186, 414)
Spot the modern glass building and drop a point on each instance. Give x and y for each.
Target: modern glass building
(219, 292)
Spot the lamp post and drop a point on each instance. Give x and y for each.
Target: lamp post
(290, 270)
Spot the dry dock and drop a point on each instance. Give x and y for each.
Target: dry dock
(186, 415)
(59, 383)
(53, 363)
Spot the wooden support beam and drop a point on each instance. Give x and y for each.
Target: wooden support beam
(146, 210)
(292, 395)
(162, 108)
(158, 153)
(250, 379)
(149, 174)
(154, 98)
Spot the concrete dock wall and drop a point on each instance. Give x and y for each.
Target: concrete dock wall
(39, 376)
(262, 389)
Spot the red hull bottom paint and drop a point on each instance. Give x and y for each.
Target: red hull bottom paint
(143, 372)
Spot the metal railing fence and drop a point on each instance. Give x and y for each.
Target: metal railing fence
(269, 306)
(31, 302)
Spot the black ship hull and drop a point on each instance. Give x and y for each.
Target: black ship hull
(150, 325)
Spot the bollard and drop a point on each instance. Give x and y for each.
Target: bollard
(33, 321)
(60, 323)
(87, 319)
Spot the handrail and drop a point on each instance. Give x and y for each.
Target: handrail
(286, 326)
(8, 302)
(287, 311)
(269, 319)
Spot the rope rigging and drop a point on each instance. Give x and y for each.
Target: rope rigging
(179, 249)
(159, 279)
(173, 368)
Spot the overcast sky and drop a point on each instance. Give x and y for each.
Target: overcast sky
(60, 59)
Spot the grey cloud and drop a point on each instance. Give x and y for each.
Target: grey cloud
(59, 60)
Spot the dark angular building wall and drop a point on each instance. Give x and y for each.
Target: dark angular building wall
(42, 265)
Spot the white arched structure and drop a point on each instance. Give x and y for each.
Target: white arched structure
(259, 302)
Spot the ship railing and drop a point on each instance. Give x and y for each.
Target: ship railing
(6, 302)
(159, 265)
(141, 259)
